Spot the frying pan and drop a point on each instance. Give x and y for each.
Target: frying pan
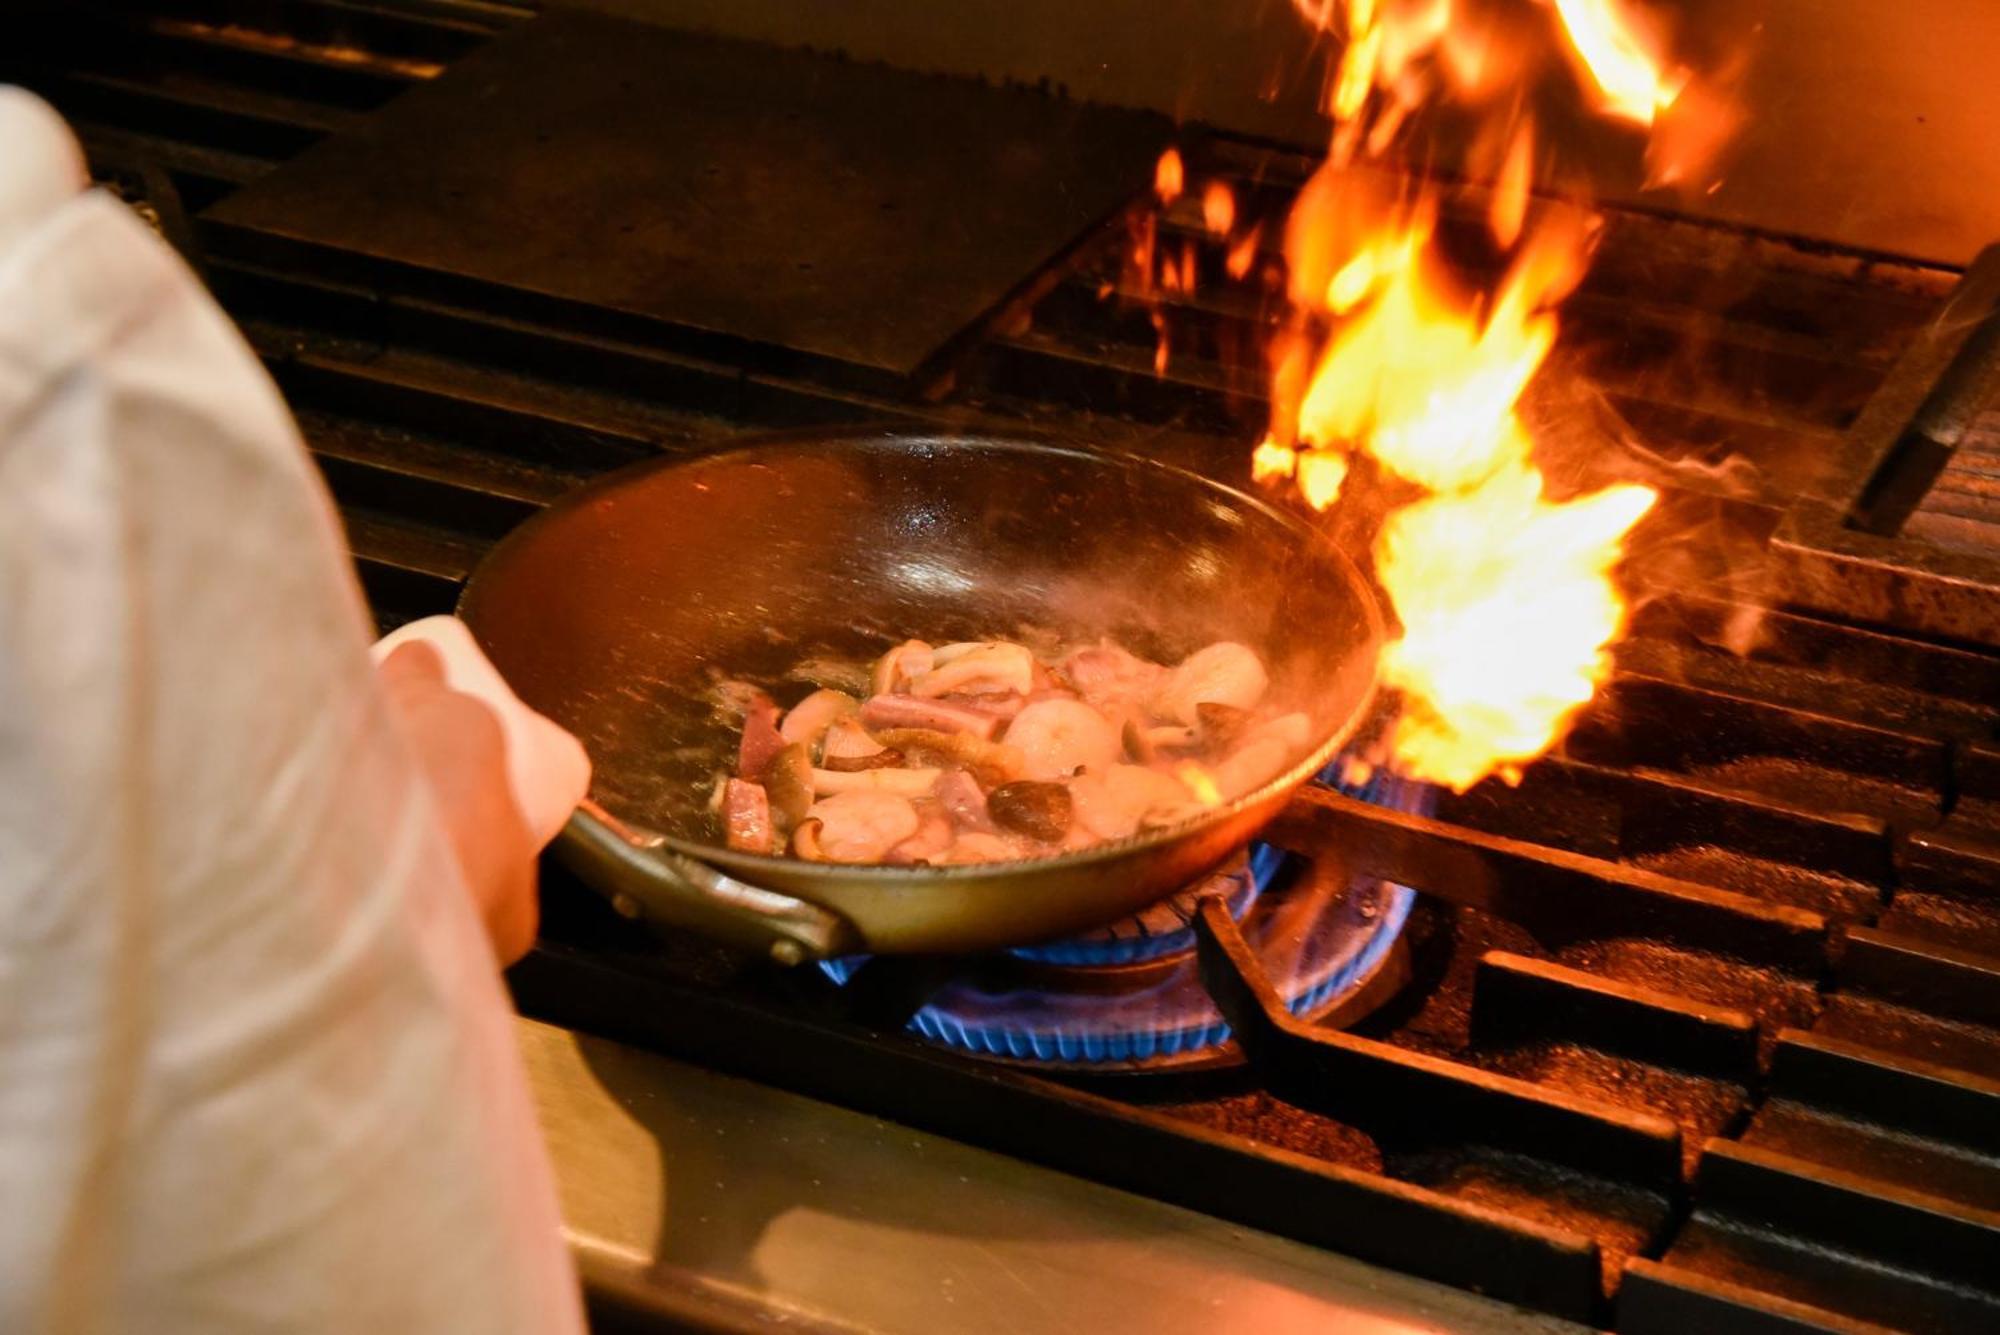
(616, 610)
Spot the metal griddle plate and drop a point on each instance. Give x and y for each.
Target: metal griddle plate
(851, 212)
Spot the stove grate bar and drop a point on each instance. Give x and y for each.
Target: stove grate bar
(1556, 895)
(1659, 1299)
(1879, 1251)
(1413, 1100)
(1517, 1000)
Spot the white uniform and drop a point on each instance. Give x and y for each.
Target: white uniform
(257, 1072)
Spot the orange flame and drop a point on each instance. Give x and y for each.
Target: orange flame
(1621, 58)
(1508, 606)
(1169, 176)
(1506, 598)
(1218, 209)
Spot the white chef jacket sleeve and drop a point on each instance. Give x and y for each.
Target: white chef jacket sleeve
(257, 1072)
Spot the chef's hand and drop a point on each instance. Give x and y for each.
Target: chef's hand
(459, 741)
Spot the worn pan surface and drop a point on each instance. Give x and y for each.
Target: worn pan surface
(615, 610)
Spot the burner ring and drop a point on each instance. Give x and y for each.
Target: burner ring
(1129, 997)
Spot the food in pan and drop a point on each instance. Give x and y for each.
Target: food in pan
(981, 752)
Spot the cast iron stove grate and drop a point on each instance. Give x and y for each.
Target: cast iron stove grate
(1704, 1033)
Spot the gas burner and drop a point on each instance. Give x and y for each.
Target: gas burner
(1129, 997)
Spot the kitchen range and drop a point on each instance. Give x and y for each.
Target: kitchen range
(1691, 1023)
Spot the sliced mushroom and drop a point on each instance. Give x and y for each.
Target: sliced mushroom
(789, 782)
(990, 762)
(805, 840)
(1220, 725)
(1038, 810)
(883, 759)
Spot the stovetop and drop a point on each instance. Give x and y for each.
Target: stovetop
(1696, 1028)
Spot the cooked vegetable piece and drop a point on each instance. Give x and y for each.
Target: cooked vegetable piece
(847, 739)
(1038, 810)
(906, 711)
(811, 717)
(1225, 673)
(1058, 737)
(862, 826)
(746, 817)
(789, 782)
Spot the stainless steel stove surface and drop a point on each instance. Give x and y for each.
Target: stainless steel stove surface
(1697, 1028)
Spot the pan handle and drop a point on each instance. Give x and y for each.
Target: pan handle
(644, 879)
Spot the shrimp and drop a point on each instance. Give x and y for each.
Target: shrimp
(862, 826)
(1252, 765)
(1225, 673)
(933, 837)
(976, 847)
(1111, 802)
(1058, 737)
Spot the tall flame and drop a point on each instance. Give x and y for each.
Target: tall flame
(1621, 58)
(1505, 597)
